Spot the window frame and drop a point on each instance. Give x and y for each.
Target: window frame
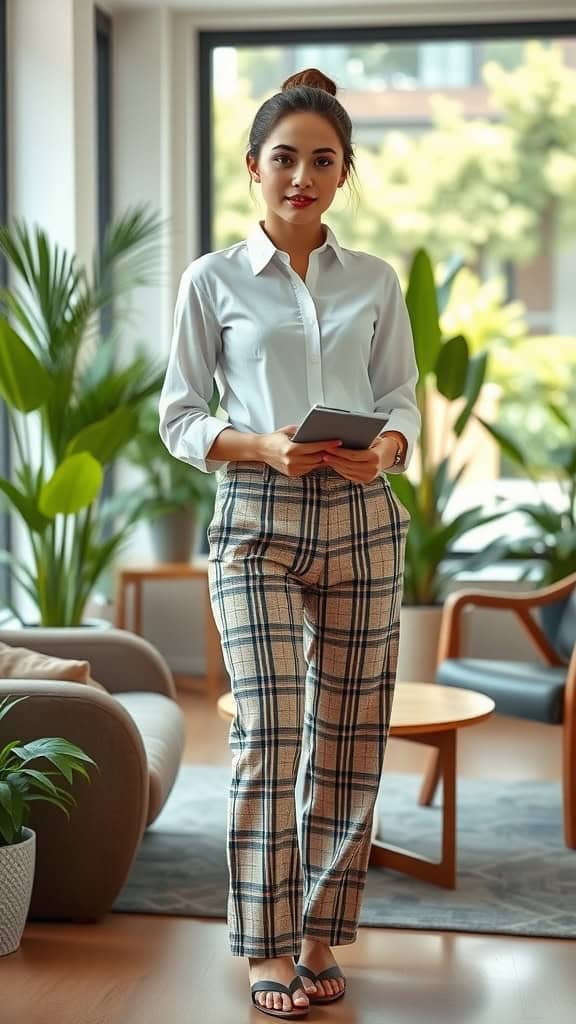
(209, 40)
(104, 175)
(6, 591)
(103, 85)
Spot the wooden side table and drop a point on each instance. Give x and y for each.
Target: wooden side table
(424, 713)
(134, 576)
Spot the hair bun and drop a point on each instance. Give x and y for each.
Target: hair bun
(312, 78)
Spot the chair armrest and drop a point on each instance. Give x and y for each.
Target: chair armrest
(450, 642)
(120, 660)
(569, 742)
(519, 599)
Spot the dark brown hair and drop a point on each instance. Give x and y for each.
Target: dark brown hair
(310, 91)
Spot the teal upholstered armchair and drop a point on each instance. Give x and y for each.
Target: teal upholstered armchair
(544, 690)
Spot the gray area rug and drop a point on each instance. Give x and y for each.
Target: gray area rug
(515, 876)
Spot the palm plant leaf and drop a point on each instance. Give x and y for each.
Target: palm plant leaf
(128, 254)
(476, 376)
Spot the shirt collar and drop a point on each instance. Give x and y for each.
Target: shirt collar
(261, 248)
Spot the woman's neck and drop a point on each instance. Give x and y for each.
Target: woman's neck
(298, 240)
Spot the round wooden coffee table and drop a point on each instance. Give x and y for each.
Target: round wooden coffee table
(431, 714)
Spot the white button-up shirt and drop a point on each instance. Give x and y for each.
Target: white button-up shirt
(276, 345)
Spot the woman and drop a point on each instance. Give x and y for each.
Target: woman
(306, 541)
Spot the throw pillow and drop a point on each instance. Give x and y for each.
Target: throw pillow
(20, 663)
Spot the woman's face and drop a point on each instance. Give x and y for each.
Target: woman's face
(300, 167)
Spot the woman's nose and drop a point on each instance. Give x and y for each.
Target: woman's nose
(301, 177)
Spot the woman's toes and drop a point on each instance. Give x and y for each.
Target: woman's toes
(299, 998)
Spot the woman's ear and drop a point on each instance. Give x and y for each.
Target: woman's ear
(252, 168)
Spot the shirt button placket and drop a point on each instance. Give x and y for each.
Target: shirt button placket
(313, 354)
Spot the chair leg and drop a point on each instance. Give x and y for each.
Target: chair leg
(569, 784)
(431, 780)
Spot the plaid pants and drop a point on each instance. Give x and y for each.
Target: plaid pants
(305, 577)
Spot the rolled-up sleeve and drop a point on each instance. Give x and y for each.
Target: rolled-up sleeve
(186, 426)
(393, 370)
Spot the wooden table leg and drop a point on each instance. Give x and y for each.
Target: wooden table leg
(441, 872)
(137, 607)
(121, 604)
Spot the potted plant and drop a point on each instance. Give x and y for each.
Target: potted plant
(20, 785)
(549, 534)
(450, 382)
(71, 411)
(175, 498)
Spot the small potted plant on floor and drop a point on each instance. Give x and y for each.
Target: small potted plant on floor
(20, 785)
(176, 499)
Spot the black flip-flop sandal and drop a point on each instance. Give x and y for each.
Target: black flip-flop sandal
(331, 973)
(276, 986)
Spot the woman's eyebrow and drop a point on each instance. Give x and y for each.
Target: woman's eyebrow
(293, 149)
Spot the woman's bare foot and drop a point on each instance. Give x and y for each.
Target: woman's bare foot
(318, 956)
(279, 968)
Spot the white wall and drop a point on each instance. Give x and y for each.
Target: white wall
(51, 118)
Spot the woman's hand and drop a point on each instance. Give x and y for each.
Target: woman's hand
(364, 465)
(293, 459)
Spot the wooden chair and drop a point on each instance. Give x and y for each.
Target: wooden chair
(541, 692)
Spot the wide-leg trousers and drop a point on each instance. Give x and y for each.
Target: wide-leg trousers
(305, 577)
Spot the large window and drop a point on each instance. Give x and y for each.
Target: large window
(4, 446)
(466, 144)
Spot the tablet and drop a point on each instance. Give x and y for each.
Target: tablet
(354, 429)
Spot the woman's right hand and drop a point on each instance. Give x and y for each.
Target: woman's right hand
(291, 459)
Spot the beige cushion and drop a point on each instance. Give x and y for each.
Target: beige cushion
(160, 723)
(20, 663)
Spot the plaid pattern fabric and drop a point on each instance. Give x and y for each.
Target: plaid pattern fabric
(305, 577)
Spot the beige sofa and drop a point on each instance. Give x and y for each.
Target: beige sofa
(135, 733)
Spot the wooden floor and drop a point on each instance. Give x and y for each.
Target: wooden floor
(162, 970)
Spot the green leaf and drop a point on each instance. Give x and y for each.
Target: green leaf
(559, 414)
(31, 515)
(53, 745)
(75, 485)
(477, 367)
(6, 797)
(24, 383)
(422, 304)
(105, 438)
(452, 367)
(564, 457)
(42, 779)
(6, 706)
(507, 444)
(443, 290)
(405, 490)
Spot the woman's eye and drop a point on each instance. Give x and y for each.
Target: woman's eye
(284, 160)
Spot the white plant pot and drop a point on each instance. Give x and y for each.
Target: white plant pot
(17, 863)
(419, 635)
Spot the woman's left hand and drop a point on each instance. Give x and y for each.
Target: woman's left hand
(363, 465)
